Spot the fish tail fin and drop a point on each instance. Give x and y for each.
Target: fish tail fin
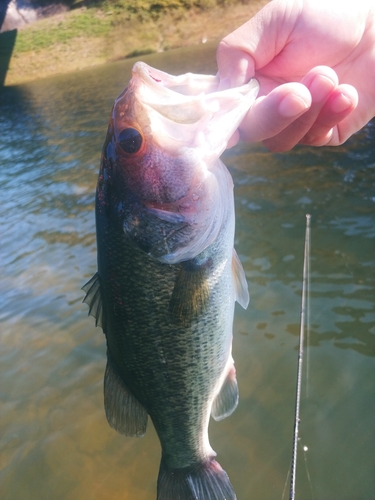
(203, 481)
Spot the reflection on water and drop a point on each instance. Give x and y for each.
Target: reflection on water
(54, 439)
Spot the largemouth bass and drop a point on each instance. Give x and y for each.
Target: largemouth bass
(168, 275)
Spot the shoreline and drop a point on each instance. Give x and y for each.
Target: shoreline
(131, 38)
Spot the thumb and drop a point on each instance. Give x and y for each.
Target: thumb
(238, 52)
(236, 67)
(256, 43)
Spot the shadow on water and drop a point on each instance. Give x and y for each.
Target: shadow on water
(7, 42)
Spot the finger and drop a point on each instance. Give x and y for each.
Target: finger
(257, 42)
(271, 114)
(236, 67)
(320, 81)
(342, 101)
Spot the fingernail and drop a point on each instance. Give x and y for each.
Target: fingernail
(292, 105)
(320, 88)
(340, 103)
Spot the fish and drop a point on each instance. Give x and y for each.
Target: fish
(168, 275)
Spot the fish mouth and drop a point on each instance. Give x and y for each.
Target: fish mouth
(178, 98)
(183, 191)
(188, 111)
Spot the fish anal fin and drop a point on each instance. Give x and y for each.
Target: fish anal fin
(191, 291)
(93, 299)
(227, 399)
(123, 411)
(239, 280)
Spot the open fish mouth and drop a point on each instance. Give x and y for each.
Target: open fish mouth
(189, 111)
(167, 135)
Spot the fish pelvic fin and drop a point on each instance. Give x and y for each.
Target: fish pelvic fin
(203, 481)
(227, 399)
(124, 412)
(191, 291)
(93, 299)
(239, 280)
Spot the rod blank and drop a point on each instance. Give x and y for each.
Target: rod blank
(300, 360)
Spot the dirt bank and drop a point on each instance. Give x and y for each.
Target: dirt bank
(90, 46)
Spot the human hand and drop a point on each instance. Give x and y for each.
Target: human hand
(315, 62)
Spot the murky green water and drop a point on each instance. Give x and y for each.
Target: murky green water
(54, 439)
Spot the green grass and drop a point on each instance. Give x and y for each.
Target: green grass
(99, 18)
(84, 24)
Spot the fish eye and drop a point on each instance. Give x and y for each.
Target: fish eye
(130, 140)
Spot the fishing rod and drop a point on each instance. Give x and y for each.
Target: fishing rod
(306, 260)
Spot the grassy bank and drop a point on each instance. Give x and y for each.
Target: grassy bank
(112, 30)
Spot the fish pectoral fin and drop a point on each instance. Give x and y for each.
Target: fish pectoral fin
(93, 299)
(239, 280)
(226, 401)
(124, 412)
(191, 291)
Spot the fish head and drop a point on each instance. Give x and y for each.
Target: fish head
(165, 137)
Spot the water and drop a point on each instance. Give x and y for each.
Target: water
(54, 439)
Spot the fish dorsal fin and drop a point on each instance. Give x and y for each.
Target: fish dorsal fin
(191, 291)
(226, 401)
(239, 280)
(124, 412)
(93, 299)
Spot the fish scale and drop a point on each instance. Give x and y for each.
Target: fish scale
(141, 325)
